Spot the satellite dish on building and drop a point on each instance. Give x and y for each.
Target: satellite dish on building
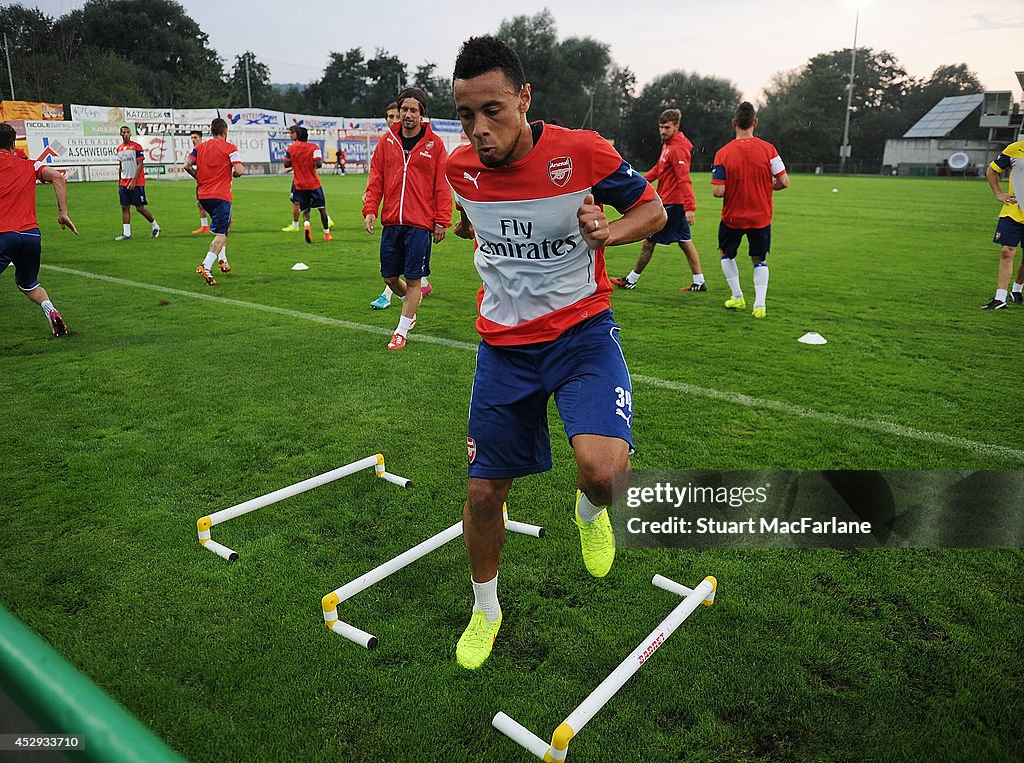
(958, 161)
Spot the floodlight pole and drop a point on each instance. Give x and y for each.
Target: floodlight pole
(248, 87)
(10, 73)
(844, 151)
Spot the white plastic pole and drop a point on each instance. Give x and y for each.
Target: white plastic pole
(524, 529)
(606, 690)
(287, 492)
(520, 734)
(219, 550)
(394, 479)
(665, 584)
(392, 566)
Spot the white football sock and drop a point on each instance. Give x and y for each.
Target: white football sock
(425, 283)
(633, 276)
(485, 599)
(210, 259)
(387, 293)
(404, 324)
(1017, 288)
(223, 256)
(204, 222)
(732, 276)
(154, 225)
(698, 278)
(127, 229)
(1001, 295)
(48, 307)
(760, 285)
(587, 511)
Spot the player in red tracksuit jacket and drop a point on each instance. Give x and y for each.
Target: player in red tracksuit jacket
(676, 191)
(407, 173)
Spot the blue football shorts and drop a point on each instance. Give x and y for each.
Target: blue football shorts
(21, 249)
(219, 211)
(759, 240)
(508, 413)
(404, 250)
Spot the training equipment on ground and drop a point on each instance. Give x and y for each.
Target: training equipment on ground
(331, 601)
(300, 266)
(812, 337)
(571, 726)
(219, 517)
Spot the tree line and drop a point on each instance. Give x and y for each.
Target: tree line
(151, 53)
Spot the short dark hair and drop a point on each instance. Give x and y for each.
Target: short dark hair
(124, 127)
(218, 126)
(7, 136)
(195, 132)
(416, 94)
(301, 133)
(390, 106)
(480, 55)
(745, 115)
(670, 116)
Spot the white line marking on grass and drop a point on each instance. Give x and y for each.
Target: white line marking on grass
(736, 398)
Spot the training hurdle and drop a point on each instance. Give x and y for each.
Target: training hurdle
(571, 726)
(331, 601)
(203, 524)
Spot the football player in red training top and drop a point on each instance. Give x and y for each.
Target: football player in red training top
(304, 159)
(132, 185)
(676, 191)
(531, 196)
(745, 173)
(213, 164)
(19, 232)
(196, 136)
(407, 175)
(392, 116)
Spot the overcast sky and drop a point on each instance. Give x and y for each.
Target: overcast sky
(744, 41)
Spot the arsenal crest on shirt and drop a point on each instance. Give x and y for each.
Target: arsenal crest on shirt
(560, 170)
(471, 449)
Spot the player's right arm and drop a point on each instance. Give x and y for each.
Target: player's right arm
(718, 177)
(993, 174)
(190, 163)
(374, 187)
(60, 189)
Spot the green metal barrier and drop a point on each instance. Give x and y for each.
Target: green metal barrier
(59, 699)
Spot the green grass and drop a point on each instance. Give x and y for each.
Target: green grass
(163, 406)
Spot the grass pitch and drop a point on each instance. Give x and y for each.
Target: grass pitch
(171, 400)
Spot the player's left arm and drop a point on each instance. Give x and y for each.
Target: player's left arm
(624, 188)
(718, 178)
(190, 163)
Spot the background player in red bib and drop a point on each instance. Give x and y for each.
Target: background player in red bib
(530, 195)
(675, 188)
(304, 159)
(132, 185)
(19, 232)
(213, 164)
(745, 173)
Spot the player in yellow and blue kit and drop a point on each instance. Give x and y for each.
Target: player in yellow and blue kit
(1010, 228)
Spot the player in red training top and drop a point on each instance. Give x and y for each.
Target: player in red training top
(304, 159)
(19, 231)
(132, 185)
(393, 116)
(196, 136)
(676, 191)
(530, 195)
(213, 163)
(745, 173)
(407, 176)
